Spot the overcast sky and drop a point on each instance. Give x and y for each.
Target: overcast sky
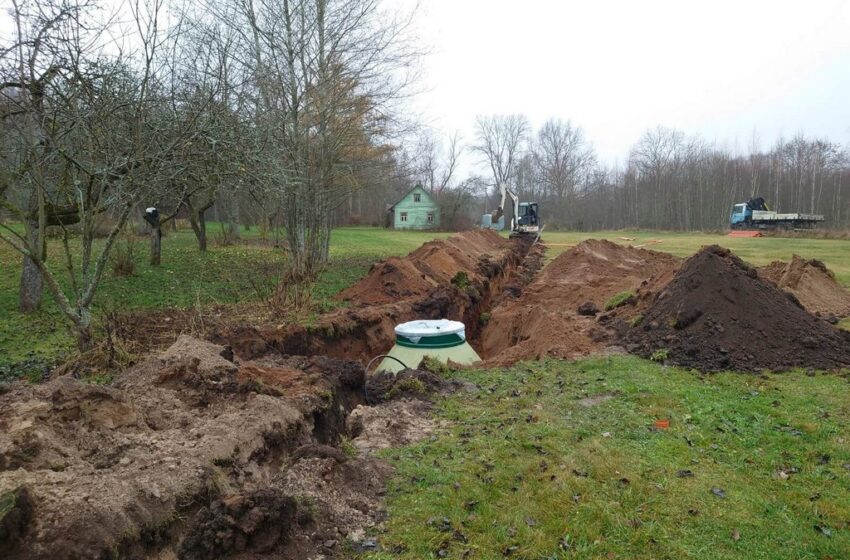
(718, 68)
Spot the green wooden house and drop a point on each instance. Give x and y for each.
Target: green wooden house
(416, 210)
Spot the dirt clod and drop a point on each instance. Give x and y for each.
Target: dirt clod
(410, 383)
(588, 309)
(256, 522)
(390, 424)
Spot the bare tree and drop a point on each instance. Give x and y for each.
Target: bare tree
(565, 161)
(321, 78)
(500, 141)
(437, 167)
(85, 134)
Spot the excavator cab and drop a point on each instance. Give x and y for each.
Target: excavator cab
(528, 214)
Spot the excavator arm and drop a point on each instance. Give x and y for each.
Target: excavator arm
(500, 211)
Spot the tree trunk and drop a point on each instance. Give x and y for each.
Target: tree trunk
(32, 280)
(232, 224)
(202, 234)
(29, 296)
(198, 221)
(156, 244)
(83, 331)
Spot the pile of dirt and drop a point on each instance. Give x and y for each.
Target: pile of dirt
(555, 314)
(718, 314)
(466, 256)
(456, 278)
(390, 424)
(812, 283)
(189, 455)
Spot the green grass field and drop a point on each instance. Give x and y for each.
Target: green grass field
(186, 278)
(525, 468)
(530, 467)
(243, 272)
(758, 251)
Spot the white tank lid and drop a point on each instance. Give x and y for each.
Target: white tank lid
(430, 327)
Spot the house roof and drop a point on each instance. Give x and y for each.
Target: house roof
(420, 187)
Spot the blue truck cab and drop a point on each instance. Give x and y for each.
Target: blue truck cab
(741, 214)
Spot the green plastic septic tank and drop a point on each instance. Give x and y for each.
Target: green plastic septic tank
(441, 339)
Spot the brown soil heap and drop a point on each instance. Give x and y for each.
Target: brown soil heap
(454, 278)
(717, 314)
(812, 283)
(434, 264)
(189, 455)
(553, 316)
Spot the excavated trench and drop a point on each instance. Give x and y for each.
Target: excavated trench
(462, 278)
(234, 449)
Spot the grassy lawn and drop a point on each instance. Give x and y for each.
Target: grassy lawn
(750, 467)
(186, 278)
(242, 272)
(758, 250)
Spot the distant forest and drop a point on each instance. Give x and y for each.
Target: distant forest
(669, 181)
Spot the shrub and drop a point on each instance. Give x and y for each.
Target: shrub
(124, 257)
(461, 280)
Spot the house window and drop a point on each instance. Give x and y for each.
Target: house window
(430, 217)
(403, 217)
(417, 197)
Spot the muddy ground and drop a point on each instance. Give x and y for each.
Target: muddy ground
(192, 455)
(261, 442)
(262, 446)
(557, 314)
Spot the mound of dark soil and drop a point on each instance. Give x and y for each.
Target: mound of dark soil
(718, 314)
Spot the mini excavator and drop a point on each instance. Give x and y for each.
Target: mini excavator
(526, 221)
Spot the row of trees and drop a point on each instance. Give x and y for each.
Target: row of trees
(669, 181)
(288, 111)
(284, 105)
